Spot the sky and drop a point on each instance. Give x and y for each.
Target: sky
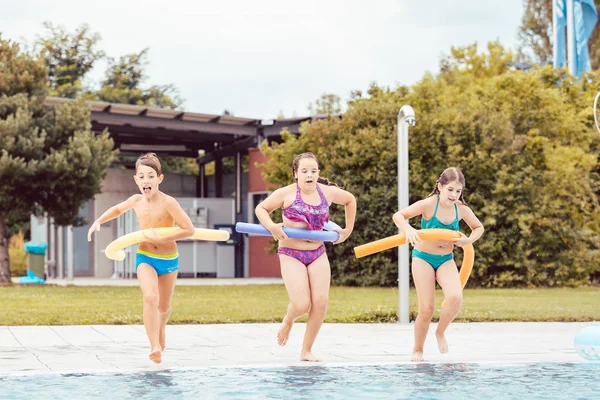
(263, 58)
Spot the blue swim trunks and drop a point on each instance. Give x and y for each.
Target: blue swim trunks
(162, 263)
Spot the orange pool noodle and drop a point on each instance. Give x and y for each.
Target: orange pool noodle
(425, 234)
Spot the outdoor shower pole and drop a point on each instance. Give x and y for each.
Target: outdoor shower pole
(406, 117)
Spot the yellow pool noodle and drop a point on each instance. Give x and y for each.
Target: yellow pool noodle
(114, 250)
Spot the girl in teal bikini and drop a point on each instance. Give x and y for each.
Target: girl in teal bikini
(433, 260)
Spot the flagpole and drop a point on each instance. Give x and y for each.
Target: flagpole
(571, 38)
(554, 35)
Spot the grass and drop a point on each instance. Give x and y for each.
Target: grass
(55, 305)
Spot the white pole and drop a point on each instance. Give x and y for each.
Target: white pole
(571, 38)
(406, 116)
(195, 242)
(60, 253)
(554, 35)
(70, 256)
(238, 183)
(118, 266)
(52, 247)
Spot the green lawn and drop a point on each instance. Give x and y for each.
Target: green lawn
(54, 305)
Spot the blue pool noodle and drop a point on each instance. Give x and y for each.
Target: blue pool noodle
(295, 233)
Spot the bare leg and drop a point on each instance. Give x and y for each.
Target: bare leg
(295, 278)
(319, 275)
(166, 286)
(447, 277)
(149, 284)
(424, 279)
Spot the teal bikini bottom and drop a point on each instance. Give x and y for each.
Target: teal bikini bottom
(435, 260)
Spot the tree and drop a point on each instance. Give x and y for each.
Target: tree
(536, 36)
(181, 165)
(524, 140)
(69, 57)
(329, 104)
(123, 84)
(50, 160)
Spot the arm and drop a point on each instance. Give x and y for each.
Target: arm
(181, 219)
(112, 213)
(347, 199)
(266, 207)
(401, 218)
(476, 227)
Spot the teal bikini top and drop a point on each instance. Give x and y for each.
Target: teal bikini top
(436, 223)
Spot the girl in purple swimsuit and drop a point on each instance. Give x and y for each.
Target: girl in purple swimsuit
(304, 263)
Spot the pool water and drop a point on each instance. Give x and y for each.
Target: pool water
(391, 381)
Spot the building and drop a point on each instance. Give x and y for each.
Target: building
(217, 201)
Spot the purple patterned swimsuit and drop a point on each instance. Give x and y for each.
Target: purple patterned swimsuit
(315, 216)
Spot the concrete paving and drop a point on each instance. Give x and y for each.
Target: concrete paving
(100, 348)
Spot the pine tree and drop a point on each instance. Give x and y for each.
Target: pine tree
(50, 160)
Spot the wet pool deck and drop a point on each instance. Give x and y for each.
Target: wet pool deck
(99, 348)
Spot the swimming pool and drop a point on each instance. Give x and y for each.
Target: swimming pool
(392, 381)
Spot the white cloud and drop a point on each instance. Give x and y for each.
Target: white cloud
(256, 58)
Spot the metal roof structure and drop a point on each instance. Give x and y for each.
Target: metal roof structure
(135, 129)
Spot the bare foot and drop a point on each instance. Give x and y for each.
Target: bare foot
(162, 339)
(442, 343)
(308, 356)
(284, 331)
(156, 355)
(417, 356)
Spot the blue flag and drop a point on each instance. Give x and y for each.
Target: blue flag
(560, 40)
(586, 16)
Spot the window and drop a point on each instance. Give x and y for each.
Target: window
(257, 198)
